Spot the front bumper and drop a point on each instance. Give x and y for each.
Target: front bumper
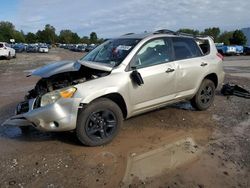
(59, 116)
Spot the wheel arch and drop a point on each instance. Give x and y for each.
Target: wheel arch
(119, 100)
(116, 98)
(213, 77)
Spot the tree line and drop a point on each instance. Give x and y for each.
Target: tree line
(47, 35)
(66, 36)
(236, 37)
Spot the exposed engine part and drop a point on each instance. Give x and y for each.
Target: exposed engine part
(231, 89)
(58, 81)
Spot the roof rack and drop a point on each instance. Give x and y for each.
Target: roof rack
(128, 34)
(166, 31)
(192, 35)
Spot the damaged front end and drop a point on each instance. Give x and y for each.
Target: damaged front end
(51, 105)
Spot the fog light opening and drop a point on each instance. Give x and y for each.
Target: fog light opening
(56, 124)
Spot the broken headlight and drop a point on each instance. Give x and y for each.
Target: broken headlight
(52, 97)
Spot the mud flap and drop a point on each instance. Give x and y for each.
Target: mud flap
(231, 89)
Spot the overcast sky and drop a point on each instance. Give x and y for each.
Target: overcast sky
(115, 17)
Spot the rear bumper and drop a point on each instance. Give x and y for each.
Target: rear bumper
(60, 116)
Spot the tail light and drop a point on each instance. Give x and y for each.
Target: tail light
(220, 56)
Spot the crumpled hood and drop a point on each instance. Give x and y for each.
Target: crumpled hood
(67, 66)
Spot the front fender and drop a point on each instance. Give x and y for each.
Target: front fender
(97, 94)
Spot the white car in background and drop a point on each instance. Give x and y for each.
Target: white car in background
(43, 49)
(6, 51)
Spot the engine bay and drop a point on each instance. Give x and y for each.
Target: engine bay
(65, 79)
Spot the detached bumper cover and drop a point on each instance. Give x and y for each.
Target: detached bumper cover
(60, 116)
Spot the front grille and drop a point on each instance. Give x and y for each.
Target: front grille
(22, 107)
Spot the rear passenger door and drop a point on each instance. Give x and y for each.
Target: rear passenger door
(190, 68)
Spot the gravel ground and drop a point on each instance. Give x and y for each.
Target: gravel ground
(38, 159)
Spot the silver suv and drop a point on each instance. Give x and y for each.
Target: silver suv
(121, 78)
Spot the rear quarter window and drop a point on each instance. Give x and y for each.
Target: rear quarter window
(204, 46)
(1, 45)
(185, 48)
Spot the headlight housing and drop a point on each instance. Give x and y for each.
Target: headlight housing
(52, 97)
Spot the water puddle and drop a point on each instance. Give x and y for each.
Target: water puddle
(163, 159)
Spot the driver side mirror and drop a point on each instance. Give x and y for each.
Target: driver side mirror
(136, 77)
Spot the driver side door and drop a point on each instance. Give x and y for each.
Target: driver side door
(154, 62)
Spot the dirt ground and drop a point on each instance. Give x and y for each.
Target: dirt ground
(148, 152)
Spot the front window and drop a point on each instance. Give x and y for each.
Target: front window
(154, 52)
(111, 52)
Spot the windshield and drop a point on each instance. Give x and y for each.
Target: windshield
(111, 52)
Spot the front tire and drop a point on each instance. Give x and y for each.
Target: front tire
(25, 129)
(99, 122)
(204, 96)
(9, 56)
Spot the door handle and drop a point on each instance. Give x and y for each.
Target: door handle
(169, 70)
(203, 64)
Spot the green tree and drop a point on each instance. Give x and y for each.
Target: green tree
(50, 32)
(75, 38)
(7, 30)
(189, 31)
(65, 36)
(213, 32)
(225, 37)
(48, 35)
(101, 40)
(93, 38)
(31, 37)
(1, 37)
(68, 37)
(19, 36)
(238, 38)
(85, 40)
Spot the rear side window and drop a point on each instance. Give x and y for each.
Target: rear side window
(185, 48)
(1, 45)
(204, 46)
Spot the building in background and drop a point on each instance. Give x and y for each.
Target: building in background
(246, 32)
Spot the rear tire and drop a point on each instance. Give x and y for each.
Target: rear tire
(204, 96)
(99, 122)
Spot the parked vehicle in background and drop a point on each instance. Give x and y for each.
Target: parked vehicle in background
(73, 47)
(226, 50)
(90, 47)
(32, 48)
(121, 78)
(19, 47)
(239, 49)
(49, 46)
(6, 51)
(81, 48)
(229, 49)
(246, 50)
(43, 49)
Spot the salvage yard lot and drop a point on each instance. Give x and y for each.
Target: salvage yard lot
(174, 146)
